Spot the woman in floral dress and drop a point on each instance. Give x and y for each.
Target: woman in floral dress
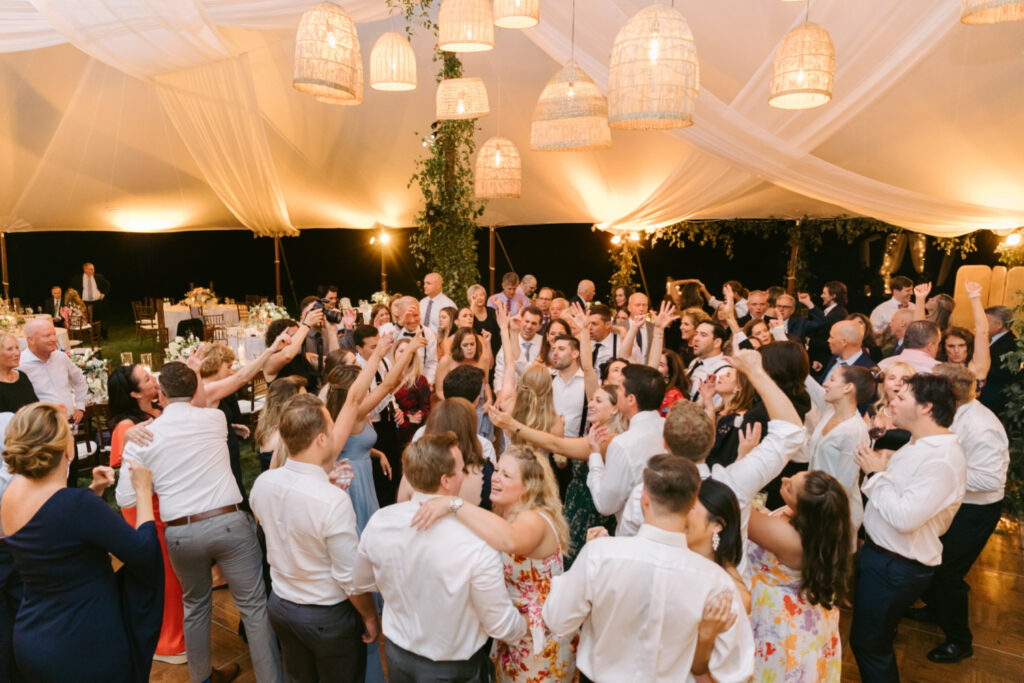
(801, 567)
(531, 533)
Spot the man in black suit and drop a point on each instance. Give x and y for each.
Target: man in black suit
(1003, 341)
(846, 341)
(94, 289)
(833, 303)
(584, 294)
(53, 304)
(797, 327)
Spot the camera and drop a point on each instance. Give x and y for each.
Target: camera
(330, 315)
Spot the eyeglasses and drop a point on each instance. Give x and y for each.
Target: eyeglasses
(782, 306)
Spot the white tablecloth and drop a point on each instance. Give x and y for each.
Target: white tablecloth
(63, 342)
(245, 347)
(175, 314)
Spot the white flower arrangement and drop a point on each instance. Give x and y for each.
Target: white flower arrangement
(96, 372)
(265, 313)
(199, 296)
(380, 297)
(180, 348)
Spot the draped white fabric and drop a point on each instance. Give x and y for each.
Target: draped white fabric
(920, 132)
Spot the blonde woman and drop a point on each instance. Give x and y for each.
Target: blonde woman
(882, 430)
(268, 439)
(15, 388)
(528, 528)
(412, 397)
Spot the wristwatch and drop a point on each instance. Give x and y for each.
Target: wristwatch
(454, 505)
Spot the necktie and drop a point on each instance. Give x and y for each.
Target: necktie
(640, 339)
(597, 349)
(526, 350)
(430, 306)
(88, 289)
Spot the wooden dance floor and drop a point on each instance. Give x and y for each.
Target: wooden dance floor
(997, 620)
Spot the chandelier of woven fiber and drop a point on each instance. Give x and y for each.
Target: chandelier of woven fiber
(571, 114)
(327, 58)
(348, 101)
(803, 69)
(392, 63)
(516, 13)
(499, 170)
(990, 11)
(465, 26)
(652, 78)
(461, 98)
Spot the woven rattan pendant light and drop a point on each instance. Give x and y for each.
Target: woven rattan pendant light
(803, 69)
(392, 63)
(327, 57)
(571, 114)
(348, 101)
(652, 79)
(990, 11)
(465, 26)
(516, 13)
(499, 170)
(461, 98)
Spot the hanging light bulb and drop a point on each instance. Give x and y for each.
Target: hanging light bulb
(499, 170)
(635, 237)
(1013, 239)
(803, 69)
(616, 239)
(652, 77)
(327, 55)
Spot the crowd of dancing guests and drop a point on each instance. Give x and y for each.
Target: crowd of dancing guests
(536, 487)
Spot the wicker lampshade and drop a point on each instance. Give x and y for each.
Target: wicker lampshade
(462, 98)
(392, 63)
(516, 13)
(465, 26)
(326, 53)
(652, 79)
(348, 101)
(499, 170)
(803, 69)
(571, 114)
(990, 11)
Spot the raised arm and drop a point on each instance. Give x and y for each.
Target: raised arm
(666, 314)
(393, 378)
(981, 360)
(522, 536)
(575, 448)
(775, 401)
(507, 394)
(626, 347)
(222, 388)
(285, 355)
(352, 411)
(921, 292)
(578, 320)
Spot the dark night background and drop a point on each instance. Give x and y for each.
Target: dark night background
(559, 255)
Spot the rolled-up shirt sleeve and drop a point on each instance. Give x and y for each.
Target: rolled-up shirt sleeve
(569, 602)
(609, 479)
(78, 384)
(491, 601)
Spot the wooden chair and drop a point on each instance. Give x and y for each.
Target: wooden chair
(147, 321)
(214, 329)
(243, 313)
(254, 300)
(89, 336)
(91, 443)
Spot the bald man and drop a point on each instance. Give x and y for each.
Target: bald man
(846, 341)
(434, 301)
(584, 294)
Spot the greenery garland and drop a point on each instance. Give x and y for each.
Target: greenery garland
(445, 237)
(1013, 415)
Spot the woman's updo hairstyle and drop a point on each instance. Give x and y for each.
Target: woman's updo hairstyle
(37, 437)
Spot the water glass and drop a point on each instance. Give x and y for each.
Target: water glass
(146, 359)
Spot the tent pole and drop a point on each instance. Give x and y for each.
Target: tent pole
(383, 269)
(3, 258)
(491, 263)
(277, 268)
(643, 278)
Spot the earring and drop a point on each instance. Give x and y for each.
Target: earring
(714, 541)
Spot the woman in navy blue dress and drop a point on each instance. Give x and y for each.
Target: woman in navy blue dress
(78, 621)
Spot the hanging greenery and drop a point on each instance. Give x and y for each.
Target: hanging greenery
(803, 236)
(1011, 256)
(445, 237)
(1013, 415)
(624, 258)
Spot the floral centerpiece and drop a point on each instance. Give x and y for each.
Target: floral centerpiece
(380, 297)
(96, 372)
(10, 321)
(180, 348)
(262, 315)
(199, 296)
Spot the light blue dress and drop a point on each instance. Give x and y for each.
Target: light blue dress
(364, 501)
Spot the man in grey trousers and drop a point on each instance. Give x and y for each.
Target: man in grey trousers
(188, 455)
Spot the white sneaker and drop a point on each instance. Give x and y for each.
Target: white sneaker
(180, 658)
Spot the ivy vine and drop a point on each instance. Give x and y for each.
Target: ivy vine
(1013, 415)
(624, 257)
(444, 240)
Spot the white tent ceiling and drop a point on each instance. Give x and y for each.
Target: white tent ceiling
(158, 115)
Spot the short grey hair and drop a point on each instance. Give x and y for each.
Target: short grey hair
(405, 302)
(1003, 314)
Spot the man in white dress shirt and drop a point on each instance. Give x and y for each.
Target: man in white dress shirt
(638, 601)
(310, 527)
(912, 498)
(407, 324)
(612, 478)
(94, 289)
(434, 301)
(689, 433)
(987, 452)
(901, 288)
(54, 376)
(199, 502)
(708, 357)
(443, 588)
(528, 341)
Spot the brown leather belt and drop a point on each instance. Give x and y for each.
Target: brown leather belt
(216, 512)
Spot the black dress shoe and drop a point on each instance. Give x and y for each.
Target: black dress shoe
(922, 614)
(950, 653)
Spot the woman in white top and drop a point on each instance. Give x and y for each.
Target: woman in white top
(840, 431)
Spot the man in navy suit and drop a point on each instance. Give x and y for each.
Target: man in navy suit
(833, 303)
(993, 395)
(794, 326)
(846, 341)
(52, 305)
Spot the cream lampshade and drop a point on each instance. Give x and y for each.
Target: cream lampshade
(327, 55)
(571, 114)
(392, 63)
(990, 11)
(803, 69)
(462, 98)
(465, 26)
(516, 13)
(499, 170)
